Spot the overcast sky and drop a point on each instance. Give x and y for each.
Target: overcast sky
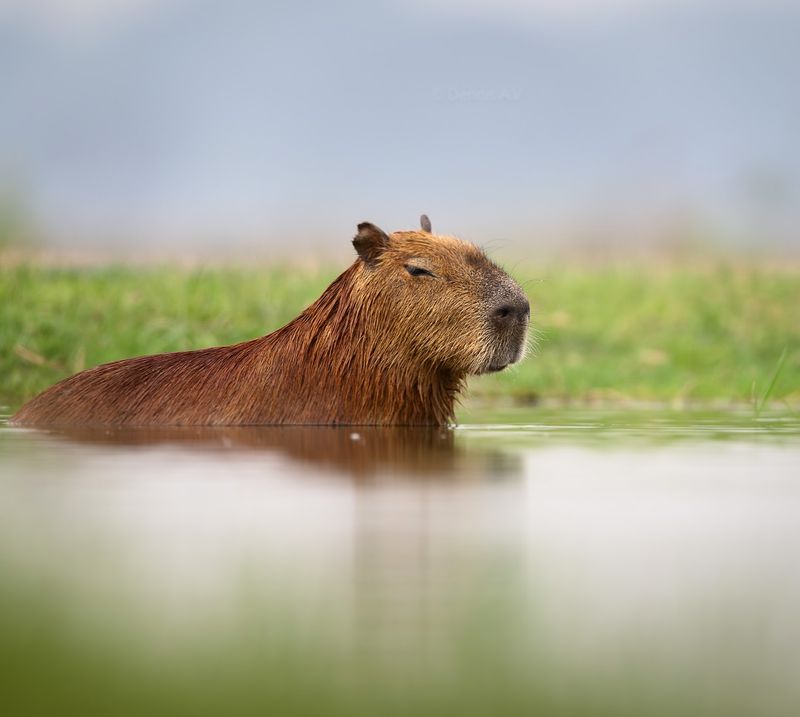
(186, 120)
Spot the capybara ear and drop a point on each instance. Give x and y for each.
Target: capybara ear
(370, 242)
(425, 223)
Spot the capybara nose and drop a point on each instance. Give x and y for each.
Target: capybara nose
(510, 312)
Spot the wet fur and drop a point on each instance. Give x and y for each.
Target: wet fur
(376, 348)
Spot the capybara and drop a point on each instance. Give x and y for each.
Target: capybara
(389, 342)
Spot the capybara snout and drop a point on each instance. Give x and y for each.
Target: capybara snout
(510, 318)
(511, 313)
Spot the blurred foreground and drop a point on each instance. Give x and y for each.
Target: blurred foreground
(584, 564)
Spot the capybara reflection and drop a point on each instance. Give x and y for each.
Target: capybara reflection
(363, 453)
(389, 342)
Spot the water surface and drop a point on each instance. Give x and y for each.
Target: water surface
(558, 562)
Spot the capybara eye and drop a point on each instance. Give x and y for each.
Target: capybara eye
(417, 270)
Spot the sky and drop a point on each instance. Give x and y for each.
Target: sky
(172, 122)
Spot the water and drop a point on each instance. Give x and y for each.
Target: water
(555, 562)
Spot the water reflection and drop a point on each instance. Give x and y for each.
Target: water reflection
(654, 565)
(363, 452)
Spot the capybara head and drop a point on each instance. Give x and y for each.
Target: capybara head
(440, 300)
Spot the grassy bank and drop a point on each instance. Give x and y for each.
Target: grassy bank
(667, 334)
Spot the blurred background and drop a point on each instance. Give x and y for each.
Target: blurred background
(176, 125)
(612, 527)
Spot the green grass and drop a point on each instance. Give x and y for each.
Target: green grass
(645, 333)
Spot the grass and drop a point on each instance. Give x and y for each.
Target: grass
(762, 402)
(659, 333)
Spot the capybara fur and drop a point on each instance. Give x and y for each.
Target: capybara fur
(389, 342)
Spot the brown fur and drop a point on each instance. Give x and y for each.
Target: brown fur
(380, 346)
